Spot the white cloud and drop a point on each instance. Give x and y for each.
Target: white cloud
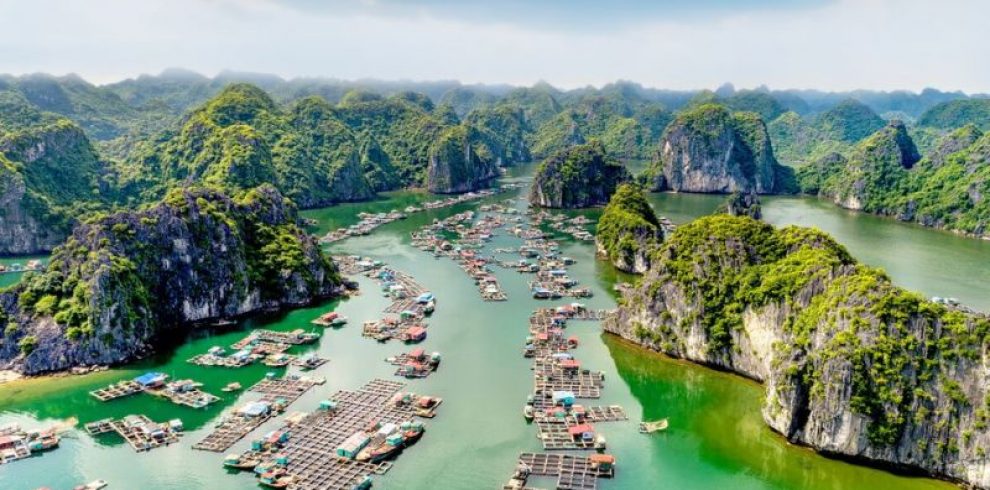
(880, 44)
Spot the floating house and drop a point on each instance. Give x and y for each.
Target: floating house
(353, 445)
(151, 380)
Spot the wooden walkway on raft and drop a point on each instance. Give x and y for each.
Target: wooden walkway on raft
(117, 390)
(133, 429)
(547, 325)
(412, 290)
(311, 451)
(572, 472)
(472, 237)
(235, 426)
(230, 430)
(193, 398)
(222, 361)
(296, 337)
(286, 389)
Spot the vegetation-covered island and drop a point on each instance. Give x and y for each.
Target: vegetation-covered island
(852, 364)
(125, 282)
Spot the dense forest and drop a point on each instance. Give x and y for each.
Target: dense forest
(71, 150)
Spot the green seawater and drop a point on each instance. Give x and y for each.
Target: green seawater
(716, 439)
(8, 278)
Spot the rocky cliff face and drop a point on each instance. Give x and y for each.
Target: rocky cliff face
(709, 149)
(49, 176)
(20, 231)
(740, 204)
(577, 177)
(460, 161)
(628, 230)
(873, 170)
(122, 283)
(852, 365)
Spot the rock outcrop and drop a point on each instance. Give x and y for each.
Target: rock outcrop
(873, 170)
(460, 161)
(853, 365)
(577, 177)
(123, 283)
(504, 130)
(710, 149)
(49, 176)
(740, 204)
(21, 232)
(628, 230)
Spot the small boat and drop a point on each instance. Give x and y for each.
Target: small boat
(276, 481)
(231, 387)
(383, 452)
(528, 413)
(362, 483)
(654, 426)
(241, 461)
(93, 485)
(426, 406)
(412, 434)
(600, 442)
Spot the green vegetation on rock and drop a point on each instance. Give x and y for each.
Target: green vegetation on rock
(577, 177)
(849, 121)
(852, 363)
(958, 113)
(122, 281)
(708, 148)
(628, 230)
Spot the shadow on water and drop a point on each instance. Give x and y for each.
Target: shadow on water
(715, 422)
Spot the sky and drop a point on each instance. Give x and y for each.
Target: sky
(822, 44)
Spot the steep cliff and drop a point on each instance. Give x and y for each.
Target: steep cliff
(883, 175)
(50, 175)
(709, 149)
(124, 282)
(878, 166)
(628, 230)
(577, 177)
(460, 161)
(852, 364)
(504, 129)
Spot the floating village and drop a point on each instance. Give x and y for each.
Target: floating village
(351, 436)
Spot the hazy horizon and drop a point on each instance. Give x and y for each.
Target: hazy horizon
(235, 74)
(827, 45)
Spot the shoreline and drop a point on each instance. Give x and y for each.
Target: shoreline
(893, 468)
(6, 376)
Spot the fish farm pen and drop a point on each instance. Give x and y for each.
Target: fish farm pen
(278, 394)
(324, 449)
(140, 432)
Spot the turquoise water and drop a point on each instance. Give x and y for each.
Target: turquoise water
(716, 440)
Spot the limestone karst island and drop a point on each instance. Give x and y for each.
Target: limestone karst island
(515, 245)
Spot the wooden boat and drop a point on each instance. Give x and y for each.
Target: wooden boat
(412, 435)
(241, 461)
(600, 443)
(528, 413)
(93, 485)
(362, 483)
(276, 478)
(426, 406)
(281, 482)
(654, 426)
(231, 387)
(384, 452)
